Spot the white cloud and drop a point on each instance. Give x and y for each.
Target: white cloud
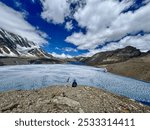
(69, 26)
(55, 11)
(14, 21)
(105, 22)
(139, 41)
(98, 14)
(62, 56)
(67, 49)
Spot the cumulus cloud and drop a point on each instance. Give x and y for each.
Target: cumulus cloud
(14, 21)
(69, 26)
(55, 11)
(141, 42)
(106, 22)
(61, 56)
(99, 14)
(67, 49)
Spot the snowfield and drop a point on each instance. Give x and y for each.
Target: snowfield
(38, 76)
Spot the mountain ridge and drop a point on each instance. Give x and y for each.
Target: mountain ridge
(128, 61)
(13, 45)
(115, 56)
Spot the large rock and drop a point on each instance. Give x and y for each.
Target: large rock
(69, 102)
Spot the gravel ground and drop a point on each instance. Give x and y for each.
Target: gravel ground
(65, 99)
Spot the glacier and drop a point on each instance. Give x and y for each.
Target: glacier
(37, 76)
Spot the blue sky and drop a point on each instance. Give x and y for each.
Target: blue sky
(79, 27)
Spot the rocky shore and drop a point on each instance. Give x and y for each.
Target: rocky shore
(62, 99)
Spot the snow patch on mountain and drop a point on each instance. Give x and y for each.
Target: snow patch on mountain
(13, 45)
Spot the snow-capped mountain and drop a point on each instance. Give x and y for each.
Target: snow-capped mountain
(13, 45)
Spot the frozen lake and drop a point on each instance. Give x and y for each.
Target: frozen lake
(37, 76)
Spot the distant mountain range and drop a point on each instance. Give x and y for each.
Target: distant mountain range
(15, 49)
(128, 61)
(12, 45)
(116, 56)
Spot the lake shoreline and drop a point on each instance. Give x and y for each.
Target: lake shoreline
(28, 77)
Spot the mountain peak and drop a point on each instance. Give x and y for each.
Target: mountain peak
(13, 45)
(115, 56)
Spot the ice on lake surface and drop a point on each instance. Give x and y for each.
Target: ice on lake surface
(38, 76)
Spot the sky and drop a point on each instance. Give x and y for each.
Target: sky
(67, 28)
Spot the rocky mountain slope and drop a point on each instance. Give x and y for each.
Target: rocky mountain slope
(12, 45)
(128, 61)
(16, 50)
(111, 57)
(25, 61)
(138, 68)
(67, 99)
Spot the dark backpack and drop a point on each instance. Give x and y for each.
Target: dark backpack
(74, 84)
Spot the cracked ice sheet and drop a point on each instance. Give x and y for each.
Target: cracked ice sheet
(38, 76)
